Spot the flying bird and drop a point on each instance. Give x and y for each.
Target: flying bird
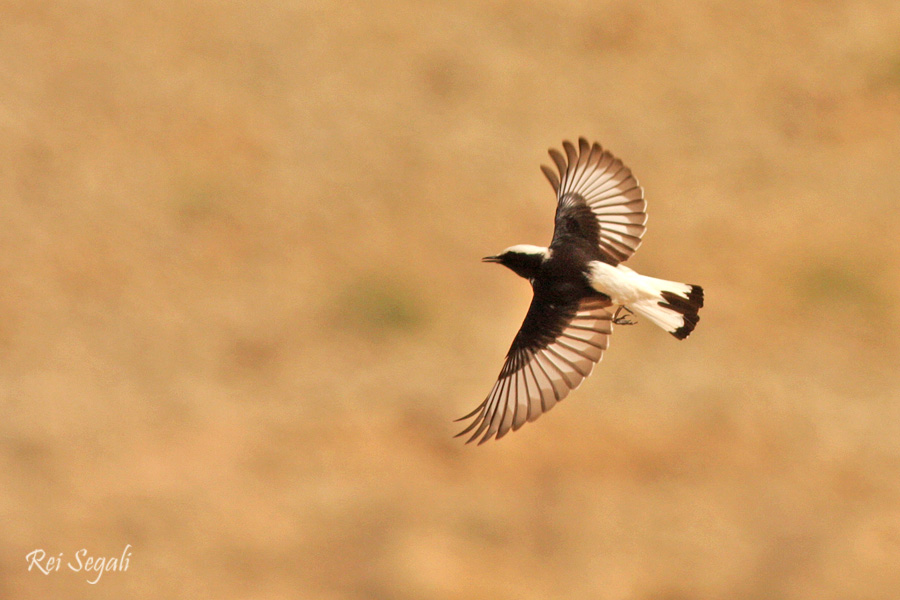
(577, 282)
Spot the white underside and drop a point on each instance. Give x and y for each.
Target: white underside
(638, 293)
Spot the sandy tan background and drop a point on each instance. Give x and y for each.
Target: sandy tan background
(241, 299)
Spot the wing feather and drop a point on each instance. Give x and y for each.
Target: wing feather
(551, 176)
(560, 162)
(598, 198)
(552, 355)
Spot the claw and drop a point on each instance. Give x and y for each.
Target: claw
(623, 320)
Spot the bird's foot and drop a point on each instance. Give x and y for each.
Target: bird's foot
(623, 320)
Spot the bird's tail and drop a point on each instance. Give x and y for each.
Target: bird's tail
(676, 309)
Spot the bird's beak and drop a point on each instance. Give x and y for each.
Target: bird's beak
(493, 259)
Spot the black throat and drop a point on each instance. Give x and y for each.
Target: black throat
(524, 265)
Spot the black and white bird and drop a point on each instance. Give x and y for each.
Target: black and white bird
(577, 281)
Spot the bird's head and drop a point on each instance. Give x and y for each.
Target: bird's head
(525, 260)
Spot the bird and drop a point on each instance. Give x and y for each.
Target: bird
(576, 282)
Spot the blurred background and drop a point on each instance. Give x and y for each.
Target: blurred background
(242, 300)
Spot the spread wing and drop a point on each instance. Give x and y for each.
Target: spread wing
(555, 349)
(598, 199)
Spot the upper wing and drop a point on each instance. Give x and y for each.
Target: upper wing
(599, 199)
(555, 349)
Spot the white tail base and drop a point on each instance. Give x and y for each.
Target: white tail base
(639, 293)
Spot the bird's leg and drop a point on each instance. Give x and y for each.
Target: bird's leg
(623, 320)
